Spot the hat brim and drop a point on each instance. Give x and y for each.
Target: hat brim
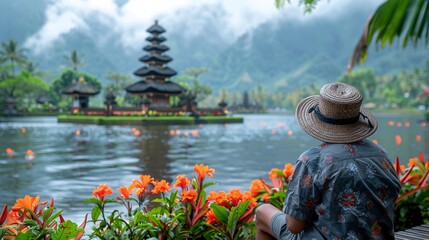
(331, 133)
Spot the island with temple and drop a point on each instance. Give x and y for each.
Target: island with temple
(161, 100)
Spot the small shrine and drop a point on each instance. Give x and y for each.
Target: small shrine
(155, 89)
(80, 91)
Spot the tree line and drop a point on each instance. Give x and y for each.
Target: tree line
(22, 83)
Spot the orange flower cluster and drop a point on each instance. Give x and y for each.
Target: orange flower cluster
(417, 175)
(211, 217)
(288, 170)
(182, 181)
(229, 200)
(275, 191)
(125, 191)
(201, 172)
(189, 195)
(232, 199)
(160, 187)
(101, 191)
(19, 213)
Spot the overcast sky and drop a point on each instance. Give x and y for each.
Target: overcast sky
(129, 19)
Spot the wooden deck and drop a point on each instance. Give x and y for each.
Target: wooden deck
(419, 232)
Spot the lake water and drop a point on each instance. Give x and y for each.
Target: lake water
(68, 166)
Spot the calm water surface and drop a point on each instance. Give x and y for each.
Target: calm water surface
(67, 167)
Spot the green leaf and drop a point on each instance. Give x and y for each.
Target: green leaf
(25, 236)
(67, 230)
(194, 183)
(95, 214)
(2, 232)
(208, 184)
(220, 212)
(46, 213)
(54, 216)
(92, 200)
(30, 223)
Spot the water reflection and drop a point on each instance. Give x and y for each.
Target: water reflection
(67, 166)
(153, 156)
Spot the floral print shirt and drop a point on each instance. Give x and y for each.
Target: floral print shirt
(344, 191)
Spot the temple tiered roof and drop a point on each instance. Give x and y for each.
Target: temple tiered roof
(158, 48)
(159, 39)
(156, 58)
(81, 88)
(155, 87)
(155, 73)
(157, 29)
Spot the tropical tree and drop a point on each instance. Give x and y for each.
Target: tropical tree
(32, 68)
(75, 60)
(195, 90)
(196, 72)
(260, 95)
(21, 84)
(362, 79)
(24, 86)
(118, 82)
(67, 78)
(11, 53)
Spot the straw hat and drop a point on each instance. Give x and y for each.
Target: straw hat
(336, 115)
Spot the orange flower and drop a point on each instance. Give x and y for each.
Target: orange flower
(276, 177)
(140, 192)
(27, 202)
(274, 173)
(189, 196)
(160, 186)
(12, 217)
(255, 187)
(101, 191)
(234, 196)
(202, 171)
(288, 170)
(125, 191)
(145, 180)
(182, 181)
(248, 196)
(219, 198)
(211, 217)
(413, 162)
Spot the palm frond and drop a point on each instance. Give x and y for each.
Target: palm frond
(405, 20)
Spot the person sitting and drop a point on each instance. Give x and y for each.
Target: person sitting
(344, 188)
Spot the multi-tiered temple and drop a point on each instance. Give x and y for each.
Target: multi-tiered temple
(155, 88)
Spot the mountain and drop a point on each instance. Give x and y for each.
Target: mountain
(281, 55)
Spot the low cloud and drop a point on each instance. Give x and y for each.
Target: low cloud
(129, 20)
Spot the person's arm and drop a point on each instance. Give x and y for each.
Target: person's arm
(302, 194)
(294, 225)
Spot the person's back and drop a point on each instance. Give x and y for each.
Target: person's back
(348, 189)
(343, 189)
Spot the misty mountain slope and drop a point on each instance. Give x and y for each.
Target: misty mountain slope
(19, 19)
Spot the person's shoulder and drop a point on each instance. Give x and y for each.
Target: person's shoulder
(311, 154)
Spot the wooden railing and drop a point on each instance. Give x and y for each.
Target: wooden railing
(419, 232)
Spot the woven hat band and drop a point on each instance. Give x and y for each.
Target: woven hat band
(334, 121)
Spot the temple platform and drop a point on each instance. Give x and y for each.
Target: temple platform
(141, 120)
